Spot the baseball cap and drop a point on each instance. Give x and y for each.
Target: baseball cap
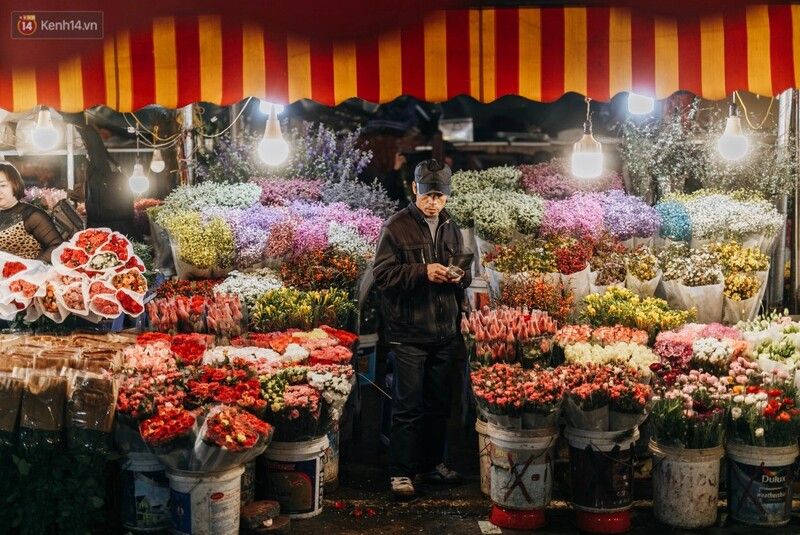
(430, 175)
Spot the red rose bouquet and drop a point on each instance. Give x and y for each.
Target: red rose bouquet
(170, 435)
(189, 348)
(346, 338)
(229, 437)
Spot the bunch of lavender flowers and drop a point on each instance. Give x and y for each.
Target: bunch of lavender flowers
(357, 195)
(627, 216)
(324, 153)
(251, 228)
(230, 161)
(281, 191)
(554, 180)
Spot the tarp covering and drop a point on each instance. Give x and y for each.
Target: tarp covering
(538, 53)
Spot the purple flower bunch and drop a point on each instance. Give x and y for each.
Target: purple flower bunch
(314, 220)
(251, 228)
(578, 216)
(627, 216)
(282, 191)
(554, 180)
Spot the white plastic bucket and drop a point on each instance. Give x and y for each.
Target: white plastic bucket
(760, 483)
(145, 494)
(521, 467)
(291, 474)
(485, 461)
(685, 485)
(330, 460)
(601, 469)
(205, 503)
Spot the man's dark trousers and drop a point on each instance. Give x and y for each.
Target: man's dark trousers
(420, 406)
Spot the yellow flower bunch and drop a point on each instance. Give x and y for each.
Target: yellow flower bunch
(620, 306)
(736, 259)
(201, 245)
(741, 286)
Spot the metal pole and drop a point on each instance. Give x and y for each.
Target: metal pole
(795, 220)
(187, 168)
(778, 262)
(70, 157)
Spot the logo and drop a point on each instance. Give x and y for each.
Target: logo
(26, 25)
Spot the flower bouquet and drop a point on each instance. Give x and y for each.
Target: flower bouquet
(228, 437)
(224, 317)
(636, 356)
(629, 401)
(643, 274)
(537, 293)
(764, 410)
(508, 335)
(689, 410)
(587, 396)
(497, 390)
(287, 308)
(191, 313)
(294, 408)
(711, 355)
(231, 382)
(334, 382)
(170, 435)
(162, 315)
(619, 306)
(543, 393)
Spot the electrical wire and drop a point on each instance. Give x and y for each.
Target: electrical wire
(747, 115)
(233, 122)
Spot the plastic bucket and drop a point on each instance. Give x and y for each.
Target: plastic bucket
(601, 469)
(366, 359)
(760, 483)
(484, 459)
(291, 474)
(685, 485)
(205, 503)
(330, 460)
(249, 483)
(521, 467)
(144, 503)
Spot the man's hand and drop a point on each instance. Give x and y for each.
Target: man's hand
(438, 273)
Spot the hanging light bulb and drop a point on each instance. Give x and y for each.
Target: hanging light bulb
(587, 154)
(45, 136)
(733, 144)
(640, 104)
(272, 148)
(157, 163)
(138, 181)
(264, 106)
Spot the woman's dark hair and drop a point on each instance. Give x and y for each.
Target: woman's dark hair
(13, 176)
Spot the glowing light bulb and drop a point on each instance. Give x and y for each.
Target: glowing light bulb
(640, 104)
(272, 148)
(587, 157)
(264, 107)
(157, 163)
(733, 144)
(138, 181)
(45, 136)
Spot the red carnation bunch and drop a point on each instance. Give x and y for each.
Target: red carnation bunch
(189, 348)
(167, 425)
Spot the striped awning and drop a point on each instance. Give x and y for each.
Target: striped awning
(538, 53)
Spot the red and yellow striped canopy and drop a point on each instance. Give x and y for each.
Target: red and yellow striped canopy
(536, 53)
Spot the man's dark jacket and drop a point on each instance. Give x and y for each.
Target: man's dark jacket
(415, 310)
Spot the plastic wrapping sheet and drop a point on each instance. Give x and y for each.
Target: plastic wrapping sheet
(708, 300)
(91, 401)
(643, 288)
(10, 398)
(42, 410)
(209, 456)
(593, 420)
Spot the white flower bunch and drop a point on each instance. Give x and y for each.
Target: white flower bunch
(635, 355)
(248, 286)
(212, 194)
(250, 354)
(719, 216)
(335, 389)
(499, 178)
(348, 240)
(294, 354)
(711, 354)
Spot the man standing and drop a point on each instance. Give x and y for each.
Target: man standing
(421, 304)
